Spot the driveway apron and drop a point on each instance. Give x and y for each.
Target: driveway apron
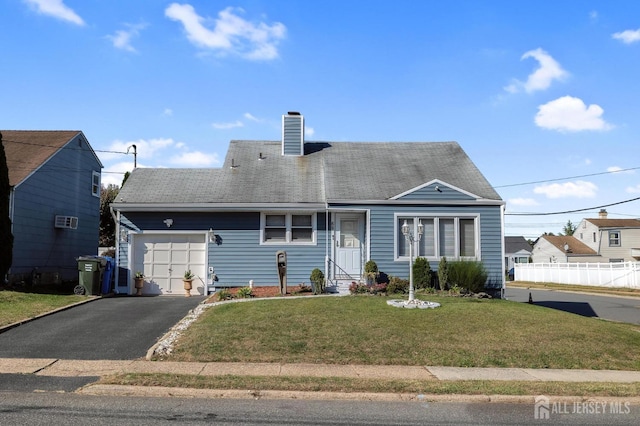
(116, 328)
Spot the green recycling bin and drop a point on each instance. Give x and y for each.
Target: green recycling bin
(90, 269)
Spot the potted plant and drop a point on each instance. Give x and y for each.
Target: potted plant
(188, 282)
(138, 282)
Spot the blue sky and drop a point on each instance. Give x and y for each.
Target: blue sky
(544, 92)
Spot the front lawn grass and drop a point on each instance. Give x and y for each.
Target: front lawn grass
(463, 332)
(344, 384)
(17, 306)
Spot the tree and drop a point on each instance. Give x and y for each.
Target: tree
(107, 225)
(569, 228)
(6, 238)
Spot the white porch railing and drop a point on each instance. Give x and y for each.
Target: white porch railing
(625, 274)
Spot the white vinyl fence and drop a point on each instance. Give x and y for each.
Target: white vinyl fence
(625, 274)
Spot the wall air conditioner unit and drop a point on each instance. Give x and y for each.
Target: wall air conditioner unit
(66, 222)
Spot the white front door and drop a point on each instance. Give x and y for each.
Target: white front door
(348, 243)
(163, 258)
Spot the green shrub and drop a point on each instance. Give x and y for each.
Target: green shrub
(468, 275)
(443, 273)
(397, 285)
(370, 272)
(421, 273)
(245, 292)
(317, 279)
(225, 294)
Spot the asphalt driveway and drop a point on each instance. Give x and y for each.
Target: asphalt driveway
(623, 309)
(115, 328)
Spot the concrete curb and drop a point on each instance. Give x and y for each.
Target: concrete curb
(164, 392)
(46, 314)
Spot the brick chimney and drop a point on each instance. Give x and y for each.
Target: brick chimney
(602, 214)
(292, 134)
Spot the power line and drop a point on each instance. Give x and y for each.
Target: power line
(573, 211)
(567, 178)
(61, 147)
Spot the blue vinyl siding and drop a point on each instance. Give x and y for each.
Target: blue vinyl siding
(429, 192)
(237, 255)
(62, 186)
(382, 243)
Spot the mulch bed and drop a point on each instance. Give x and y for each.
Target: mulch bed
(269, 291)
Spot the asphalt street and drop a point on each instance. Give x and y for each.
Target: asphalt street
(113, 328)
(72, 409)
(623, 309)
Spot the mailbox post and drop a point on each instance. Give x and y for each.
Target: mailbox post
(281, 262)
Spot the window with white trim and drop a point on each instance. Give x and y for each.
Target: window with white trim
(95, 184)
(446, 236)
(288, 228)
(614, 238)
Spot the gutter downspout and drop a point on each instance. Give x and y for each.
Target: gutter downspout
(504, 283)
(116, 219)
(326, 243)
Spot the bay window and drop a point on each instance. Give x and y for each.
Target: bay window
(443, 236)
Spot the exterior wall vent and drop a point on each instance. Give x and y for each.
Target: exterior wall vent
(66, 222)
(292, 134)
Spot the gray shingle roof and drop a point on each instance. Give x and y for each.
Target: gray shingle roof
(515, 244)
(327, 171)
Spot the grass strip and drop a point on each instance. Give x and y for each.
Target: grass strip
(350, 385)
(17, 306)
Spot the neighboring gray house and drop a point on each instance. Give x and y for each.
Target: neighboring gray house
(615, 240)
(329, 205)
(54, 201)
(562, 249)
(516, 250)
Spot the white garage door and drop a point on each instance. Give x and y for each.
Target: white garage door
(165, 257)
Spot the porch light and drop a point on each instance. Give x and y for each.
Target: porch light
(212, 236)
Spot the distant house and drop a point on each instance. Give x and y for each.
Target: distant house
(54, 202)
(329, 205)
(615, 240)
(562, 249)
(516, 250)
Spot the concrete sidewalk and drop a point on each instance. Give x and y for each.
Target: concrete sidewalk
(78, 368)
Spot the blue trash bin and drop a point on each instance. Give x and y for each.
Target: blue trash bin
(107, 274)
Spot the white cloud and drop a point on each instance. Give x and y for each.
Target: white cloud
(616, 169)
(122, 38)
(230, 125)
(57, 9)
(633, 189)
(627, 36)
(309, 131)
(114, 173)
(577, 189)
(571, 115)
(146, 148)
(168, 112)
(251, 117)
(548, 71)
(230, 33)
(195, 159)
(593, 15)
(523, 202)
